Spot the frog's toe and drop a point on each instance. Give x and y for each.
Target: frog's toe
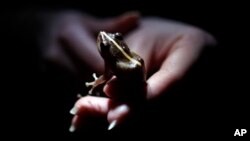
(90, 92)
(87, 84)
(95, 77)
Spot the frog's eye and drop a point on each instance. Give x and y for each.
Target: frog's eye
(118, 36)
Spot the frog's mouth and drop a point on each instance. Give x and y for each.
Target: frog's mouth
(99, 41)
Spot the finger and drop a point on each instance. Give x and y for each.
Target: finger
(123, 23)
(57, 56)
(179, 59)
(117, 114)
(111, 89)
(81, 45)
(74, 123)
(129, 91)
(87, 108)
(90, 105)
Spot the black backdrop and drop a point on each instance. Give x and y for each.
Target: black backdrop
(210, 101)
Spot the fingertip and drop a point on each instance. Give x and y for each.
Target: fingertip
(74, 110)
(149, 92)
(90, 105)
(128, 21)
(118, 113)
(72, 128)
(74, 124)
(86, 108)
(110, 88)
(112, 125)
(135, 15)
(159, 83)
(123, 23)
(107, 90)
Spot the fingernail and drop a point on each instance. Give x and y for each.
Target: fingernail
(72, 128)
(121, 109)
(112, 124)
(79, 96)
(74, 110)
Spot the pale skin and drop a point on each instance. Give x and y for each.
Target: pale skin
(168, 48)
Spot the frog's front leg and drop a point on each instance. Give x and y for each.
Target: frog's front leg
(91, 83)
(95, 83)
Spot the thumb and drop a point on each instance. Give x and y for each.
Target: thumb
(123, 23)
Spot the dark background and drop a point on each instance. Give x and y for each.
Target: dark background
(210, 101)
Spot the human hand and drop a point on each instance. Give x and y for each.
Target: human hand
(168, 48)
(68, 39)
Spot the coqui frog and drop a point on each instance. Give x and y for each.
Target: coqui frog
(119, 60)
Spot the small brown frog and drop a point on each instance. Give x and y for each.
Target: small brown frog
(119, 60)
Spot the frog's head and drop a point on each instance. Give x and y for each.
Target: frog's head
(112, 46)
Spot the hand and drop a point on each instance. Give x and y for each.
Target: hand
(168, 48)
(68, 39)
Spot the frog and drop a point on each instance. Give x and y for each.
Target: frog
(119, 61)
